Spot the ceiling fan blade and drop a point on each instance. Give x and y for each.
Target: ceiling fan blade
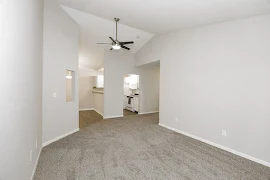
(112, 40)
(127, 42)
(104, 43)
(125, 47)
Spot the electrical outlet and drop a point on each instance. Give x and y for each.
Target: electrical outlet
(176, 119)
(36, 144)
(54, 95)
(31, 155)
(224, 133)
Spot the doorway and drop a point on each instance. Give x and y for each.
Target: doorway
(91, 98)
(131, 94)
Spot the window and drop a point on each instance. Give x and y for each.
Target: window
(100, 81)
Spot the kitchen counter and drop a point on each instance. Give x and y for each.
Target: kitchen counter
(100, 92)
(137, 96)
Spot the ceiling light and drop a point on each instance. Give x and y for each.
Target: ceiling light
(116, 46)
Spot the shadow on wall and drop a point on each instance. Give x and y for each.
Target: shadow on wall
(150, 81)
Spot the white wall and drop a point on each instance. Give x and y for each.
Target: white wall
(88, 99)
(99, 103)
(116, 65)
(150, 84)
(20, 86)
(61, 37)
(217, 77)
(86, 96)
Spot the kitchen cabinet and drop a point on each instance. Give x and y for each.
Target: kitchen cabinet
(130, 103)
(133, 86)
(136, 104)
(134, 82)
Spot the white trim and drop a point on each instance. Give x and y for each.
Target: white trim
(93, 109)
(98, 112)
(150, 112)
(109, 117)
(34, 170)
(219, 146)
(86, 109)
(59, 137)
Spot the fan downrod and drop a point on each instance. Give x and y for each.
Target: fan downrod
(116, 19)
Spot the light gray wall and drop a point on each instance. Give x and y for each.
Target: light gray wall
(99, 103)
(116, 65)
(150, 97)
(61, 37)
(20, 86)
(86, 96)
(217, 77)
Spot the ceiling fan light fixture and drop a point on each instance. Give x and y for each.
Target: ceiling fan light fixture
(116, 46)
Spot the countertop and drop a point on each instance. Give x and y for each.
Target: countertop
(100, 92)
(137, 96)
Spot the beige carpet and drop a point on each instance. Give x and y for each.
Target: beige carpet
(135, 147)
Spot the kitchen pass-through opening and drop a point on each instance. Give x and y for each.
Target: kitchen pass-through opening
(131, 94)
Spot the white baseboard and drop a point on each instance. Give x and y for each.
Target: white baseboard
(59, 137)
(35, 168)
(219, 146)
(109, 117)
(86, 109)
(150, 112)
(98, 112)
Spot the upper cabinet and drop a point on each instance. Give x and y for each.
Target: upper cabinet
(133, 81)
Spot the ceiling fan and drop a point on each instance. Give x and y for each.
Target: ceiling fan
(116, 45)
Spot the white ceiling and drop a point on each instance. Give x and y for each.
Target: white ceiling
(94, 29)
(161, 16)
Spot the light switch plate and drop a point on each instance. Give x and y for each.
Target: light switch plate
(224, 133)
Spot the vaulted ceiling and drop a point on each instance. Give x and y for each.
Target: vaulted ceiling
(161, 16)
(94, 29)
(141, 19)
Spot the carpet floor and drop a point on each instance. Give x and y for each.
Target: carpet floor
(135, 147)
